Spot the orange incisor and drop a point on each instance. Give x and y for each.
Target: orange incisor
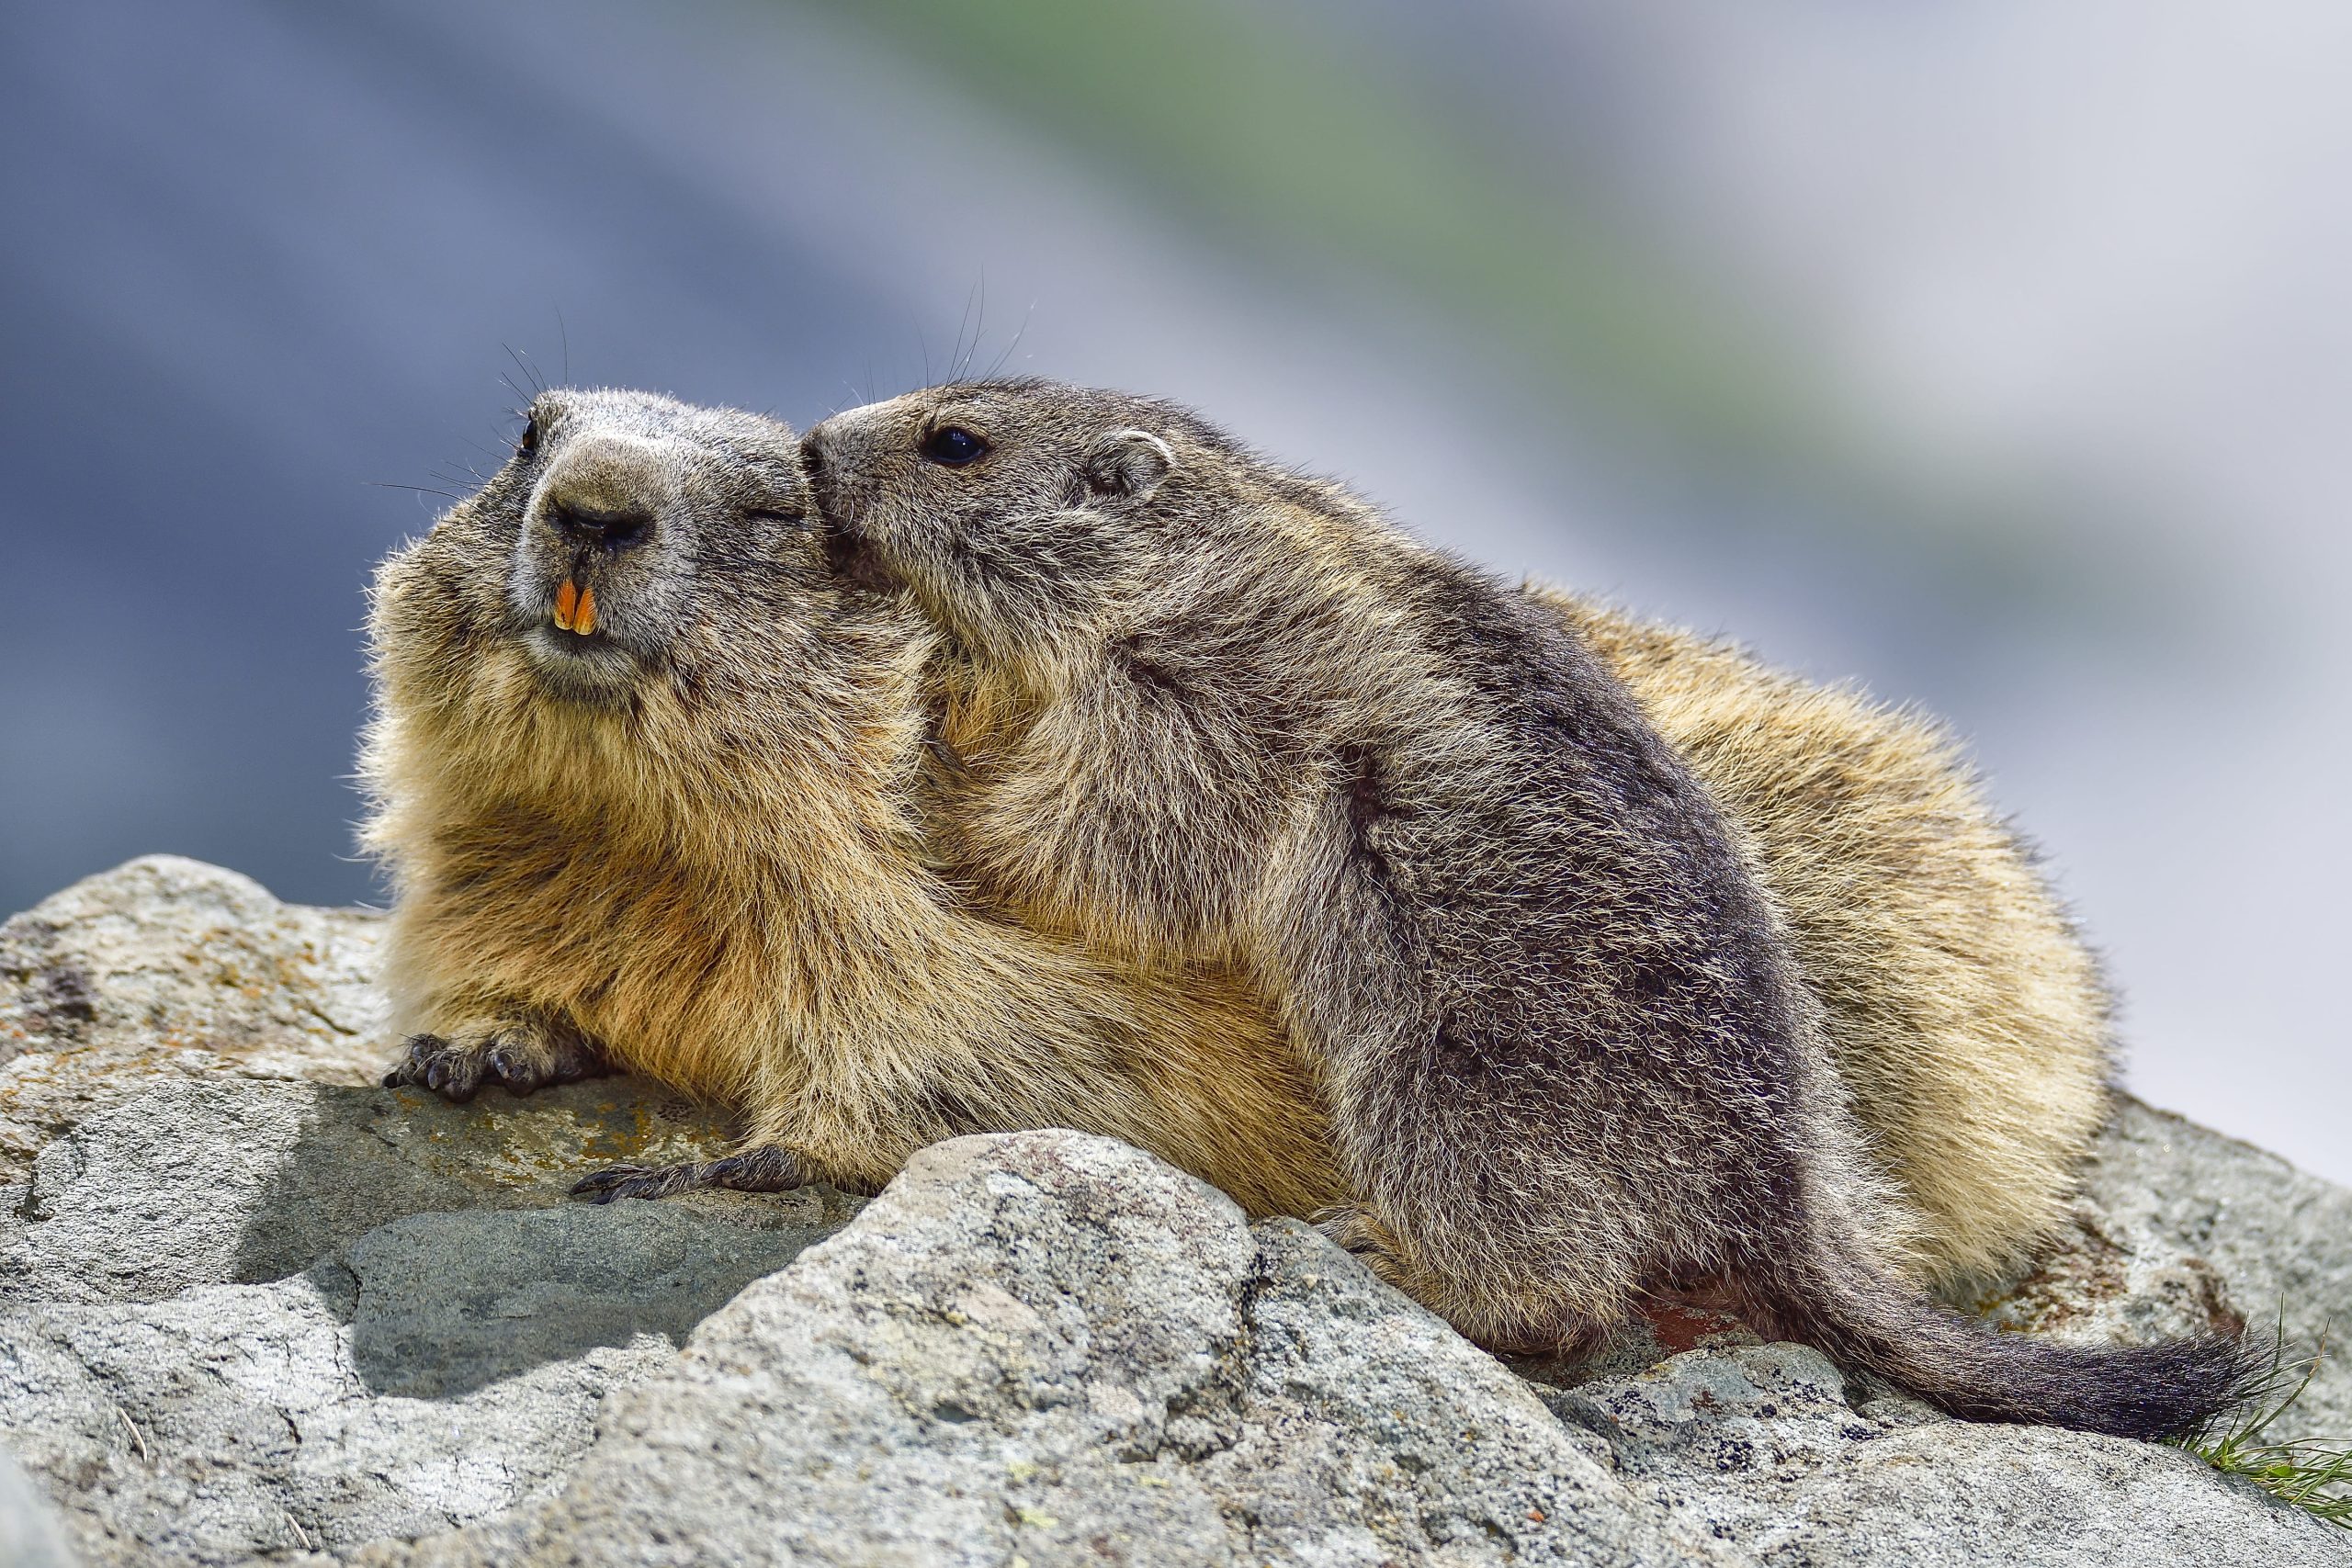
(575, 608)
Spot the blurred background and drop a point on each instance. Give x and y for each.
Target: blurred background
(1996, 354)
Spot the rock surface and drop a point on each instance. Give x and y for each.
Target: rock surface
(28, 1539)
(253, 1308)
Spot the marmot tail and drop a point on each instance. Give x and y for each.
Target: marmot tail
(1827, 1293)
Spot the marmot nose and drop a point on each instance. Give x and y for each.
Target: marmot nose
(615, 528)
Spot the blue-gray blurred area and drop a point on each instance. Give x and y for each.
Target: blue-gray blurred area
(1996, 354)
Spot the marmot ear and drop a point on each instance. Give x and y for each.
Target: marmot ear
(1128, 464)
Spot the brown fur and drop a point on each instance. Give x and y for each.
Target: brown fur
(732, 803)
(693, 847)
(1964, 1018)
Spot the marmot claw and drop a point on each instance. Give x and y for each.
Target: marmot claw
(522, 1056)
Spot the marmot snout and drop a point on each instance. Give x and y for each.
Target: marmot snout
(601, 564)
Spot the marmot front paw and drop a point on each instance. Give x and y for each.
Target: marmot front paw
(522, 1053)
(770, 1167)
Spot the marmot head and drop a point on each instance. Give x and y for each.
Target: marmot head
(639, 601)
(626, 529)
(1016, 510)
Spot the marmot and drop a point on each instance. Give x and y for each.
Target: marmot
(1210, 710)
(642, 766)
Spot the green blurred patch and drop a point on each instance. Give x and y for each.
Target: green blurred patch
(1325, 154)
(1317, 148)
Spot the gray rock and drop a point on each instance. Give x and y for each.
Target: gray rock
(28, 1539)
(1053, 1348)
(189, 1096)
(438, 1369)
(167, 968)
(252, 1307)
(1761, 1445)
(221, 1181)
(251, 1303)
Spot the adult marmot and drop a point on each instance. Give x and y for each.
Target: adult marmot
(1215, 711)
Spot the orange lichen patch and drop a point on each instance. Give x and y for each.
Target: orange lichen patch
(2085, 1270)
(632, 1129)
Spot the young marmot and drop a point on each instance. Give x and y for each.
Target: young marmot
(1213, 710)
(641, 767)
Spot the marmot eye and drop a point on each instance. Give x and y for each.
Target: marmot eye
(528, 442)
(954, 447)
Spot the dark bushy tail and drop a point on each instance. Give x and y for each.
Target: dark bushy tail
(1826, 1292)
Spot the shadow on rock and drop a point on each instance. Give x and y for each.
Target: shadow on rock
(235, 1180)
(482, 1269)
(353, 1158)
(443, 1303)
(213, 1181)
